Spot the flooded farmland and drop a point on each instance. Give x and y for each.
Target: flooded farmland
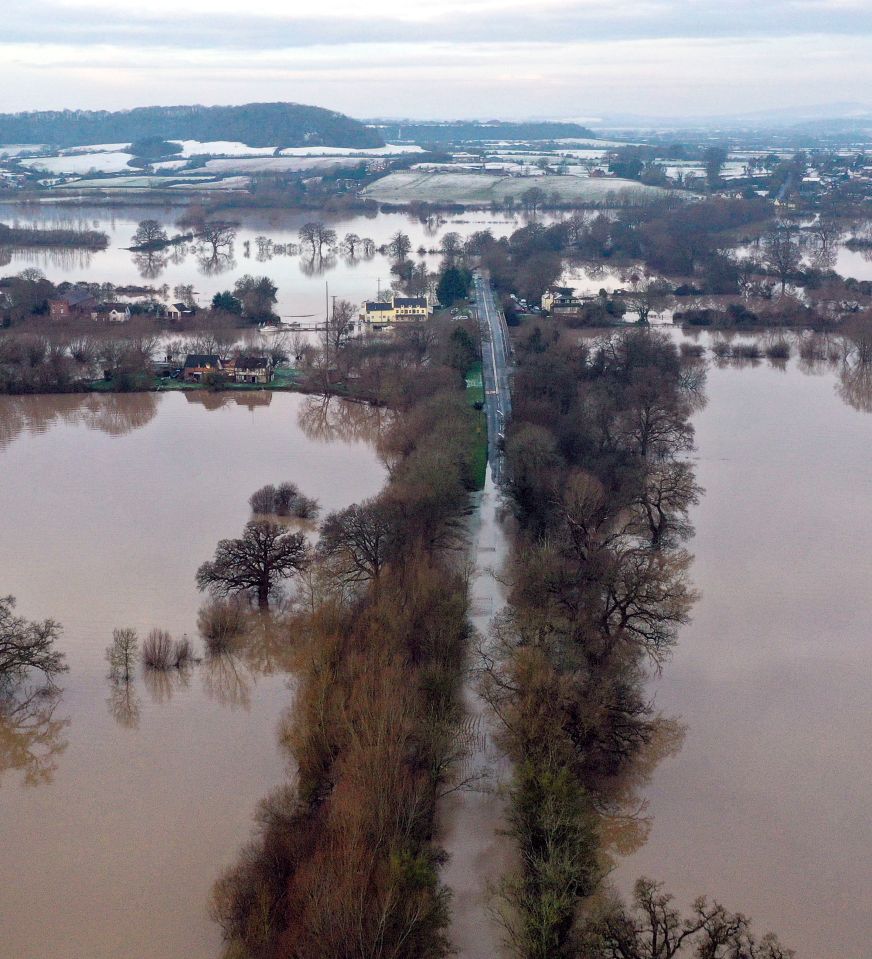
(117, 813)
(301, 281)
(765, 806)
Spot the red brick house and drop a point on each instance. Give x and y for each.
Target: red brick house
(75, 302)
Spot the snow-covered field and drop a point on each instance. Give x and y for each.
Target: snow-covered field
(409, 187)
(390, 149)
(16, 149)
(80, 163)
(145, 182)
(280, 164)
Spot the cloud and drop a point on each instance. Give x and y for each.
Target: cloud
(484, 58)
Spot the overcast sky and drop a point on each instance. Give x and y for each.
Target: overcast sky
(445, 58)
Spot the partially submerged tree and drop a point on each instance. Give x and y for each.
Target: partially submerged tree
(257, 562)
(358, 539)
(122, 654)
(26, 647)
(149, 235)
(653, 928)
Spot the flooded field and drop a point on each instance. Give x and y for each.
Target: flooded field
(300, 279)
(765, 806)
(118, 812)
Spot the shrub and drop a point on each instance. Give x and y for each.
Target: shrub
(747, 351)
(157, 650)
(161, 652)
(306, 507)
(779, 350)
(692, 350)
(263, 500)
(219, 622)
(285, 495)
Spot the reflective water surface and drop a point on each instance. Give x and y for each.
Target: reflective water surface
(766, 805)
(119, 804)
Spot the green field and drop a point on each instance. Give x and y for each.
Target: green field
(475, 394)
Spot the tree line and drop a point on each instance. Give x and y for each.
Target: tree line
(345, 859)
(601, 486)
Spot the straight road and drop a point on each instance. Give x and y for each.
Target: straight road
(496, 362)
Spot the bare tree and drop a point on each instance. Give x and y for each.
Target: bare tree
(399, 246)
(781, 253)
(26, 646)
(257, 562)
(351, 244)
(317, 235)
(218, 234)
(649, 295)
(149, 234)
(122, 655)
(358, 539)
(654, 929)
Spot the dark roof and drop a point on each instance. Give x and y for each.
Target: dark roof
(561, 290)
(252, 362)
(193, 360)
(108, 307)
(410, 301)
(182, 307)
(75, 297)
(372, 307)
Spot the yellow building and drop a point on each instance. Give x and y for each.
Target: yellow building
(397, 309)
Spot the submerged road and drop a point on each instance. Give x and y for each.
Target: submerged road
(496, 362)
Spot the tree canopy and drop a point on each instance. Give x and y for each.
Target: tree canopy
(257, 562)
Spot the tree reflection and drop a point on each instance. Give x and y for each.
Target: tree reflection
(151, 264)
(855, 385)
(327, 419)
(213, 262)
(124, 703)
(624, 825)
(315, 265)
(31, 737)
(227, 679)
(163, 683)
(114, 413)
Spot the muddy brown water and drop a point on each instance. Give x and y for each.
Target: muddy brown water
(118, 812)
(766, 806)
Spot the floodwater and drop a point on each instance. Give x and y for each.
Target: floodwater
(302, 282)
(766, 805)
(473, 827)
(119, 808)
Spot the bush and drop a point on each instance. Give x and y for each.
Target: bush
(219, 622)
(284, 497)
(747, 351)
(161, 652)
(157, 650)
(692, 351)
(283, 500)
(306, 507)
(263, 500)
(779, 350)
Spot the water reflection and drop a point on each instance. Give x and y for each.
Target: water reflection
(624, 824)
(227, 679)
(124, 704)
(209, 400)
(150, 265)
(114, 413)
(327, 419)
(854, 386)
(213, 262)
(314, 266)
(31, 737)
(163, 683)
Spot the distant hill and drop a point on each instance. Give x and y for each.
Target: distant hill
(255, 124)
(458, 132)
